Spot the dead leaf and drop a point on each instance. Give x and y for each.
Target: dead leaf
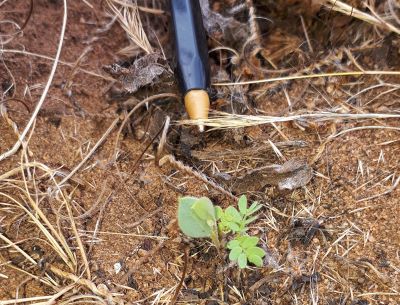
(215, 22)
(144, 71)
(289, 176)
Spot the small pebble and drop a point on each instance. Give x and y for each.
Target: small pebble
(117, 267)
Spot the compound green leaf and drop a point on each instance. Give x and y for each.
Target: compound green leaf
(233, 214)
(235, 253)
(242, 261)
(254, 208)
(256, 260)
(189, 222)
(219, 212)
(249, 241)
(242, 205)
(233, 226)
(233, 244)
(255, 251)
(250, 220)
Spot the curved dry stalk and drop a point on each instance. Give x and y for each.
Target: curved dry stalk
(91, 152)
(18, 144)
(140, 104)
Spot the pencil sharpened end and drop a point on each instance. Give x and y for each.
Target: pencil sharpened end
(197, 103)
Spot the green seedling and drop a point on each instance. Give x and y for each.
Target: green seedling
(244, 249)
(232, 220)
(199, 218)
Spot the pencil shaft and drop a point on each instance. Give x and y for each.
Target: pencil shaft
(190, 45)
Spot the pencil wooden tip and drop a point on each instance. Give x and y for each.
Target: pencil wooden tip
(197, 103)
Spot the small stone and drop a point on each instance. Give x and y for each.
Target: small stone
(117, 267)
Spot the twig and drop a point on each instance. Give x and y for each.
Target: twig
(171, 159)
(98, 222)
(91, 152)
(140, 104)
(138, 222)
(17, 145)
(148, 145)
(80, 281)
(391, 189)
(303, 24)
(179, 287)
(139, 263)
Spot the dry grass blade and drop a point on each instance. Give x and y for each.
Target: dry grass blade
(91, 152)
(129, 19)
(227, 120)
(141, 8)
(78, 239)
(17, 248)
(19, 142)
(25, 300)
(349, 10)
(36, 220)
(296, 77)
(69, 64)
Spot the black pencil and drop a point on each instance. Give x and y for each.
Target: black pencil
(191, 54)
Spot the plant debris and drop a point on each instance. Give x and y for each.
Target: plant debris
(292, 174)
(310, 130)
(144, 71)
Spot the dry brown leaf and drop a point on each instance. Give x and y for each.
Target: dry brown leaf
(144, 71)
(289, 176)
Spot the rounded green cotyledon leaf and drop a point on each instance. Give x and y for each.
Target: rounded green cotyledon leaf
(204, 209)
(189, 222)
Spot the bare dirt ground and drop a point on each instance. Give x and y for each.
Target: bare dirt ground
(88, 223)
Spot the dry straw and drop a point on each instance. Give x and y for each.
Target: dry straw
(222, 120)
(129, 19)
(349, 10)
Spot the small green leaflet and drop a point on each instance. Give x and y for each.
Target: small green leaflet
(242, 205)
